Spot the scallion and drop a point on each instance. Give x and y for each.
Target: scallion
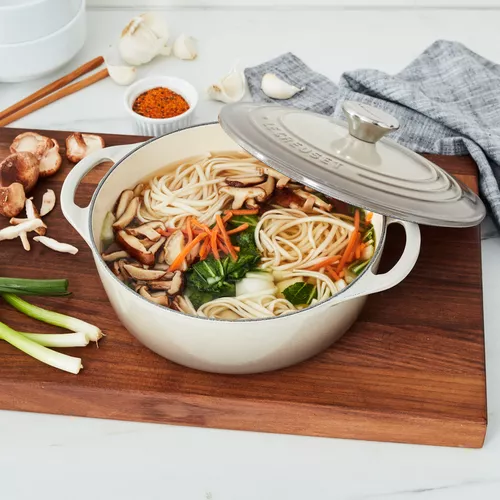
(77, 339)
(64, 362)
(53, 318)
(23, 286)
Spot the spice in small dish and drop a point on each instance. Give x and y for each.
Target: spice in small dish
(160, 102)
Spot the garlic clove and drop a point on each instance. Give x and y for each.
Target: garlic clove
(156, 23)
(143, 38)
(122, 75)
(231, 88)
(185, 47)
(276, 88)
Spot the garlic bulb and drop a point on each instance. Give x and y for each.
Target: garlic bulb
(231, 88)
(122, 75)
(185, 47)
(276, 88)
(144, 38)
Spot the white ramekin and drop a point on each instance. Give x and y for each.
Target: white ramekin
(160, 126)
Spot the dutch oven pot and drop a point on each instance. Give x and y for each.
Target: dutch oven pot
(222, 346)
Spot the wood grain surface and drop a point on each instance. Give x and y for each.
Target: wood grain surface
(410, 370)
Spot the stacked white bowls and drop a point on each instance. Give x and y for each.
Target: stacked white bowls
(39, 36)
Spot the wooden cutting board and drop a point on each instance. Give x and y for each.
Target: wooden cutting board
(410, 370)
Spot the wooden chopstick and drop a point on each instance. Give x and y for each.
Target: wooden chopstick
(52, 87)
(65, 91)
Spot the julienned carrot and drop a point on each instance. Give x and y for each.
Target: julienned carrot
(185, 251)
(356, 220)
(238, 229)
(348, 250)
(323, 263)
(189, 230)
(357, 252)
(368, 217)
(203, 227)
(227, 216)
(225, 237)
(332, 273)
(205, 248)
(213, 243)
(341, 274)
(250, 211)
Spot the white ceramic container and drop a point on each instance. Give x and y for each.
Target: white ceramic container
(26, 20)
(223, 346)
(38, 57)
(155, 126)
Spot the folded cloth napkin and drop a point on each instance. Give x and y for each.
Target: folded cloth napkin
(447, 102)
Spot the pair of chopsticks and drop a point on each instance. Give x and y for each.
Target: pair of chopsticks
(54, 91)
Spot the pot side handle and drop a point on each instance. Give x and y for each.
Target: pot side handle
(373, 283)
(75, 215)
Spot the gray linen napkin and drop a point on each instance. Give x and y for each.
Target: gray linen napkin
(447, 101)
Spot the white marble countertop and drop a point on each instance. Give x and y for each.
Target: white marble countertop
(50, 457)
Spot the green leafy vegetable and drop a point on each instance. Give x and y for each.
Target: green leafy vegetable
(238, 220)
(300, 293)
(210, 279)
(358, 266)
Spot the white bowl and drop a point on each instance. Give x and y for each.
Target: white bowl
(36, 58)
(27, 20)
(160, 126)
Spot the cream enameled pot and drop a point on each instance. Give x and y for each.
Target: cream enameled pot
(223, 346)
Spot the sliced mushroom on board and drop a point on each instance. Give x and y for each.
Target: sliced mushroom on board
(11, 232)
(48, 202)
(32, 213)
(55, 245)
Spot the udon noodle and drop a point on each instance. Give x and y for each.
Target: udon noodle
(234, 239)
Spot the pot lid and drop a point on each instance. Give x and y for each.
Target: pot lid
(352, 161)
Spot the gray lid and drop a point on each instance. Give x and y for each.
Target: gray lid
(352, 162)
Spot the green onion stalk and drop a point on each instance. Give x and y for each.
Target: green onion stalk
(56, 359)
(53, 318)
(23, 286)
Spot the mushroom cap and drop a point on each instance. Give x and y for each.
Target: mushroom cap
(12, 200)
(51, 161)
(31, 142)
(20, 167)
(79, 145)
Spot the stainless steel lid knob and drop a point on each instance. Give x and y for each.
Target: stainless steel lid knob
(368, 123)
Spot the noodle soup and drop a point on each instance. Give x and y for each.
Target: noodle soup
(225, 236)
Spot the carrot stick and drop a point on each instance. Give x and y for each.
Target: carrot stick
(356, 220)
(348, 250)
(203, 227)
(189, 230)
(357, 253)
(368, 217)
(341, 274)
(227, 216)
(213, 243)
(225, 237)
(332, 273)
(238, 229)
(325, 262)
(185, 251)
(205, 248)
(250, 211)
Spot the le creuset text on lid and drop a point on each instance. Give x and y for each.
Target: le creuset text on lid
(353, 161)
